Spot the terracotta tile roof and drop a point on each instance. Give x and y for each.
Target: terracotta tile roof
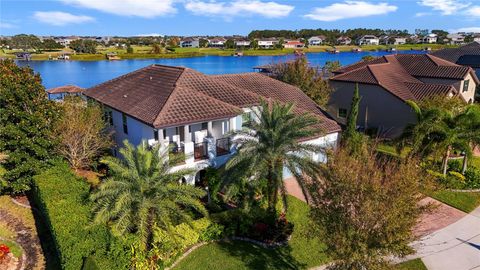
(398, 74)
(163, 96)
(455, 54)
(65, 89)
(270, 88)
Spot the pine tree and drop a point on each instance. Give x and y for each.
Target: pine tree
(351, 128)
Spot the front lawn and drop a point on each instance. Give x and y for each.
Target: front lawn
(303, 251)
(415, 264)
(465, 201)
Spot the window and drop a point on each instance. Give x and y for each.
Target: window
(108, 117)
(124, 121)
(342, 113)
(155, 135)
(204, 125)
(164, 133)
(465, 85)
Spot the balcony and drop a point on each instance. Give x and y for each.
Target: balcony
(200, 151)
(176, 155)
(223, 146)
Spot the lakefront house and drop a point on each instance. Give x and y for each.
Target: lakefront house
(466, 55)
(194, 115)
(387, 82)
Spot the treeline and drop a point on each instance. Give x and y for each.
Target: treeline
(330, 34)
(25, 42)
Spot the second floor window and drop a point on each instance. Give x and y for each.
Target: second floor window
(342, 113)
(108, 117)
(124, 121)
(465, 85)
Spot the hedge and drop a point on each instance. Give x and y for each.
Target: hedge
(62, 198)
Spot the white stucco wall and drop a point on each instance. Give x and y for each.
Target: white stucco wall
(137, 131)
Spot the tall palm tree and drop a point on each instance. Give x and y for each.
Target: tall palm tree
(142, 193)
(273, 143)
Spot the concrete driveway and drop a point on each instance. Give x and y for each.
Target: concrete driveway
(455, 247)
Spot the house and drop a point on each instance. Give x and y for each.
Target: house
(387, 82)
(267, 43)
(59, 93)
(392, 40)
(466, 55)
(343, 40)
(476, 37)
(242, 43)
(218, 42)
(190, 42)
(456, 39)
(316, 40)
(195, 113)
(430, 39)
(368, 40)
(293, 44)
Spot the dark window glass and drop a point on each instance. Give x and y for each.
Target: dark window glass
(342, 113)
(124, 121)
(155, 135)
(204, 125)
(465, 85)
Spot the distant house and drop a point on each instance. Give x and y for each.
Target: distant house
(242, 43)
(368, 40)
(344, 40)
(476, 37)
(190, 42)
(59, 93)
(218, 42)
(267, 43)
(467, 55)
(316, 40)
(430, 39)
(193, 115)
(393, 40)
(293, 44)
(387, 82)
(456, 39)
(65, 41)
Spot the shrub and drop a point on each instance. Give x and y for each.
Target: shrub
(62, 199)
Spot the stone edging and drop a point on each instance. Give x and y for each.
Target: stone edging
(19, 203)
(465, 190)
(233, 238)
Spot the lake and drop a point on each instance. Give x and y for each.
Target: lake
(90, 73)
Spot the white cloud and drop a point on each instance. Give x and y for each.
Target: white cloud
(473, 11)
(59, 18)
(474, 29)
(239, 8)
(446, 7)
(139, 8)
(150, 35)
(422, 14)
(349, 9)
(4, 25)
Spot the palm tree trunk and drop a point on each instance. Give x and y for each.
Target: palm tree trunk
(445, 162)
(464, 165)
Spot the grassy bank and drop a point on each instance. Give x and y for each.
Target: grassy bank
(145, 52)
(464, 201)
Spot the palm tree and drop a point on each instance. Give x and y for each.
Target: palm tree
(142, 193)
(269, 145)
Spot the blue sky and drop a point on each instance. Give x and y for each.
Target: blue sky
(220, 17)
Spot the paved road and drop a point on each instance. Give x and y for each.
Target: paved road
(455, 247)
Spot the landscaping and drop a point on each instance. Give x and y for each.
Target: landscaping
(415, 264)
(465, 201)
(304, 250)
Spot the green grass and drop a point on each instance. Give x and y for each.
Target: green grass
(464, 201)
(5, 232)
(391, 150)
(15, 249)
(303, 251)
(415, 264)
(475, 162)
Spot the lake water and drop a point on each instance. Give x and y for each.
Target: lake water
(89, 73)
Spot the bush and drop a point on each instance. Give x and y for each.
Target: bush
(62, 199)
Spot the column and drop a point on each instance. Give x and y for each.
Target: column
(210, 129)
(186, 133)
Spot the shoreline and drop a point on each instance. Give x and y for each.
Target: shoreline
(196, 52)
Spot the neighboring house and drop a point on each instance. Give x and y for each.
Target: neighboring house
(388, 40)
(467, 55)
(267, 43)
(293, 44)
(316, 40)
(387, 82)
(456, 39)
(430, 39)
(59, 93)
(217, 42)
(344, 40)
(190, 42)
(242, 43)
(368, 40)
(476, 37)
(194, 113)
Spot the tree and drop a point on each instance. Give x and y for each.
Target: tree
(25, 42)
(254, 44)
(81, 132)
(268, 146)
(129, 49)
(365, 208)
(50, 44)
(367, 58)
(26, 118)
(332, 66)
(202, 43)
(143, 193)
(300, 74)
(351, 128)
(84, 46)
(156, 48)
(230, 44)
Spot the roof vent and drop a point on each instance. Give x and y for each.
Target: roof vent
(124, 96)
(151, 78)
